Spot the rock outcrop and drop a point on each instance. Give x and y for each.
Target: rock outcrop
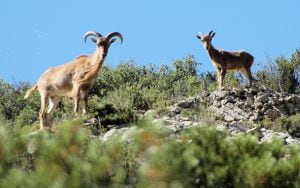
(237, 111)
(253, 104)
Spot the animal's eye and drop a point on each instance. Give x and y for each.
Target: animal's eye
(103, 43)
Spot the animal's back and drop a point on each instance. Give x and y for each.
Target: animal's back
(237, 59)
(59, 80)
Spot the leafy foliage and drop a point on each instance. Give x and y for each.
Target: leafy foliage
(292, 125)
(146, 87)
(282, 74)
(200, 157)
(206, 158)
(130, 89)
(11, 99)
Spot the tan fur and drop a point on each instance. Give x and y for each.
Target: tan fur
(72, 79)
(223, 60)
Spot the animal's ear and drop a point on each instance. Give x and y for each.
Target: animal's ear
(94, 40)
(213, 34)
(112, 41)
(198, 36)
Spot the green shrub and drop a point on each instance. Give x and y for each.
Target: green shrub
(282, 74)
(207, 158)
(11, 99)
(292, 125)
(65, 158)
(199, 157)
(127, 86)
(109, 115)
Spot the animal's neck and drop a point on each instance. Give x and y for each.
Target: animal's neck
(97, 58)
(212, 52)
(97, 61)
(92, 71)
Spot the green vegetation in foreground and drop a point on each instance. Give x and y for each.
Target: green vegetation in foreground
(199, 157)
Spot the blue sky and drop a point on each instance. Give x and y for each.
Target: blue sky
(37, 34)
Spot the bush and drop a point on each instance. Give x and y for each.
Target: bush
(127, 87)
(143, 88)
(67, 158)
(282, 74)
(292, 125)
(110, 115)
(199, 157)
(11, 99)
(30, 113)
(207, 158)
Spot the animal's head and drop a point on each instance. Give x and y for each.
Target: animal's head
(103, 43)
(206, 39)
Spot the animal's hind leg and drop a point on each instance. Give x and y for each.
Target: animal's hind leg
(222, 77)
(247, 73)
(249, 76)
(43, 112)
(53, 102)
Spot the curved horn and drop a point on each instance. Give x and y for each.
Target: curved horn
(210, 32)
(115, 34)
(98, 34)
(91, 33)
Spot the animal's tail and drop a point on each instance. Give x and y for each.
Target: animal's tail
(30, 91)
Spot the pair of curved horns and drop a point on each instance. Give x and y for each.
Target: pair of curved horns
(211, 33)
(98, 35)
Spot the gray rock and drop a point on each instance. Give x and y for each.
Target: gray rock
(109, 134)
(224, 101)
(262, 98)
(150, 114)
(185, 104)
(222, 128)
(228, 118)
(273, 114)
(290, 109)
(297, 99)
(184, 118)
(124, 134)
(231, 107)
(290, 140)
(239, 92)
(173, 110)
(231, 98)
(217, 104)
(258, 105)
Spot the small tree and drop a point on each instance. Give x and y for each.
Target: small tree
(282, 74)
(287, 74)
(186, 67)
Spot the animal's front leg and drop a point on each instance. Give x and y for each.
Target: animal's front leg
(222, 76)
(219, 77)
(76, 98)
(84, 97)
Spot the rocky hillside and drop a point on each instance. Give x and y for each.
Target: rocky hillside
(237, 111)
